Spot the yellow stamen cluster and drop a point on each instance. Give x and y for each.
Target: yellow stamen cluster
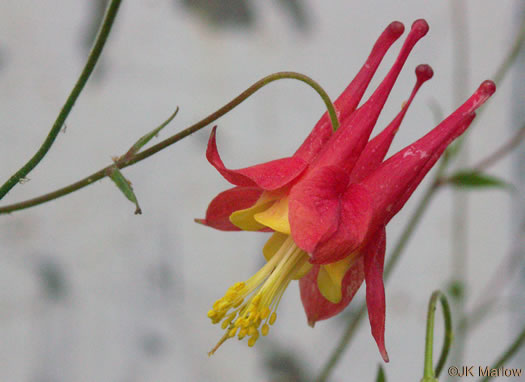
(262, 292)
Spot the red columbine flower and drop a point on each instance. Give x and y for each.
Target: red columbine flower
(329, 203)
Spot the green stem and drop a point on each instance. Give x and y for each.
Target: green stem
(460, 200)
(428, 373)
(511, 57)
(509, 353)
(128, 161)
(94, 55)
(344, 340)
(499, 75)
(234, 103)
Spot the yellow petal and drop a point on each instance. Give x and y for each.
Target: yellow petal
(305, 268)
(273, 244)
(244, 219)
(330, 278)
(275, 217)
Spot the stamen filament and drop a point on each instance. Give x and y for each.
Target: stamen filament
(257, 299)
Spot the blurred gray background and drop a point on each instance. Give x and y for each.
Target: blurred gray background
(91, 292)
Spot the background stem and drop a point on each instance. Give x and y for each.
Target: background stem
(100, 41)
(126, 161)
(509, 353)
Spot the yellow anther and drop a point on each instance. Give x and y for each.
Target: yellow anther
(239, 286)
(230, 296)
(242, 333)
(253, 339)
(256, 300)
(247, 305)
(231, 332)
(220, 305)
(265, 313)
(230, 317)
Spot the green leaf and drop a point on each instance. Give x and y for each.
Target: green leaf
(475, 179)
(146, 138)
(381, 377)
(125, 186)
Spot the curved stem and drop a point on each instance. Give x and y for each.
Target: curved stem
(126, 161)
(429, 341)
(93, 57)
(234, 103)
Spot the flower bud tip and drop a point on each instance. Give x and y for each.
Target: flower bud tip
(421, 27)
(424, 72)
(396, 28)
(487, 87)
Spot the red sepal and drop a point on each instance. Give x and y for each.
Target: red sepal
(374, 255)
(395, 180)
(317, 307)
(315, 206)
(227, 202)
(328, 218)
(345, 146)
(347, 102)
(376, 149)
(268, 176)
